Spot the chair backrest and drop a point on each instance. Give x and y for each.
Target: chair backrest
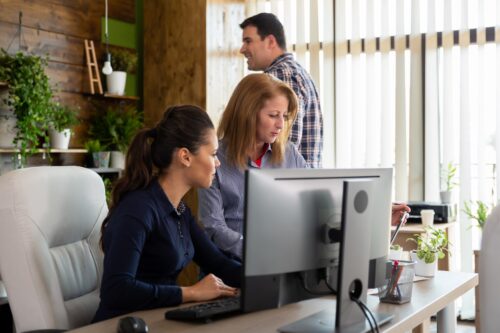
(50, 260)
(489, 273)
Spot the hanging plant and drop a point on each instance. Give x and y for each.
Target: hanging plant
(29, 97)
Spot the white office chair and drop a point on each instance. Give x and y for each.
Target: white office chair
(50, 261)
(489, 273)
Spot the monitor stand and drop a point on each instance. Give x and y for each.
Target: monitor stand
(357, 198)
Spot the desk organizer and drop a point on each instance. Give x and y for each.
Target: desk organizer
(398, 283)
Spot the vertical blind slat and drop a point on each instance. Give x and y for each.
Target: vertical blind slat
(314, 43)
(416, 127)
(300, 46)
(431, 149)
(401, 168)
(327, 90)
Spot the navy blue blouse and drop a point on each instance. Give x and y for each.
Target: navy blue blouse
(147, 243)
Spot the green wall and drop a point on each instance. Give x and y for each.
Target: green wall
(123, 34)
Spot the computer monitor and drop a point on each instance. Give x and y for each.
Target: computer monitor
(293, 232)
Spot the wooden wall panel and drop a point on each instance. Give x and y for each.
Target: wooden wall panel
(57, 28)
(174, 55)
(67, 77)
(74, 18)
(175, 68)
(51, 17)
(59, 47)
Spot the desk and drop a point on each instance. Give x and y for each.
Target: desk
(408, 230)
(429, 297)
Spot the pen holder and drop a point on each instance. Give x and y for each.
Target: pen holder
(398, 283)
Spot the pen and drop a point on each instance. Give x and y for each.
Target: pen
(402, 221)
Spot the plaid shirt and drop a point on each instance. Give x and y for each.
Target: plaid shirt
(307, 131)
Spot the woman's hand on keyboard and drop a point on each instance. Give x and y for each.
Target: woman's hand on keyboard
(208, 288)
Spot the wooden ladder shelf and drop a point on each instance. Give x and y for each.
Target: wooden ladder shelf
(93, 69)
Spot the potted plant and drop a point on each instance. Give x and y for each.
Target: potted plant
(395, 252)
(98, 152)
(62, 120)
(115, 129)
(431, 246)
(28, 99)
(448, 178)
(477, 211)
(122, 62)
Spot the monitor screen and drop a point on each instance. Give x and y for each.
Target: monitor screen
(292, 232)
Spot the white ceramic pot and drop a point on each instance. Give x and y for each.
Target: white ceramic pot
(116, 82)
(117, 160)
(396, 254)
(59, 140)
(445, 196)
(422, 268)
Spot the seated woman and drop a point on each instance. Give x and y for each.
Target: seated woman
(149, 235)
(253, 133)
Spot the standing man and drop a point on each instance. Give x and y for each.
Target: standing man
(264, 46)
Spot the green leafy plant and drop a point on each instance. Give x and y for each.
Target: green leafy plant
(108, 187)
(93, 146)
(433, 241)
(29, 97)
(116, 127)
(448, 175)
(477, 211)
(123, 60)
(63, 117)
(396, 247)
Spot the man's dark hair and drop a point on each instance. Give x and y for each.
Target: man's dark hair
(267, 24)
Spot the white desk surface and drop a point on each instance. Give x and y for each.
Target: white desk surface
(428, 298)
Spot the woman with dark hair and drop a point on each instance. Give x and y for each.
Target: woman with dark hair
(149, 235)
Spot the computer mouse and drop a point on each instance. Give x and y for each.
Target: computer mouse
(132, 325)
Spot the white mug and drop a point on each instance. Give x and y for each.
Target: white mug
(427, 216)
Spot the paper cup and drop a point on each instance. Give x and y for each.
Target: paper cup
(427, 216)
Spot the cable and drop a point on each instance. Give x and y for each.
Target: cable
(371, 315)
(330, 287)
(368, 315)
(312, 292)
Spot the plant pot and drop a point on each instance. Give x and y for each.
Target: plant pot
(422, 268)
(101, 159)
(395, 254)
(59, 140)
(445, 196)
(7, 129)
(117, 160)
(116, 82)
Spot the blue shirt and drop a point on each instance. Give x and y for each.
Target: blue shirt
(147, 243)
(221, 206)
(307, 130)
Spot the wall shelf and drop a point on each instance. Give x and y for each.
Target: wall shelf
(52, 151)
(135, 98)
(112, 96)
(107, 170)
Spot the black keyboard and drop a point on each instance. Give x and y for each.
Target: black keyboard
(205, 311)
